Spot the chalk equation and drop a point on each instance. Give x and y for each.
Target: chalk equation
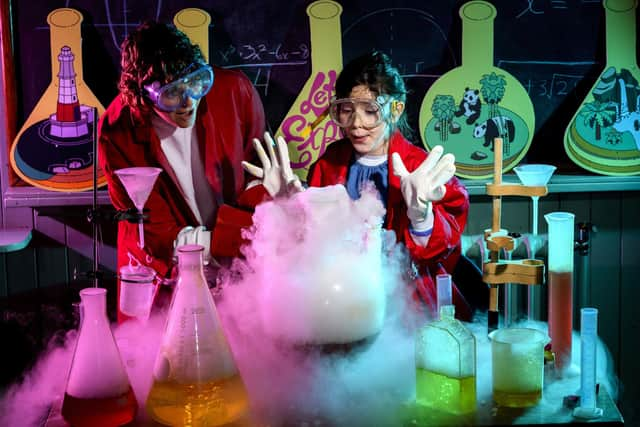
(540, 7)
(559, 85)
(262, 52)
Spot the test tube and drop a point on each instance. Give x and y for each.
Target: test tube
(588, 338)
(443, 289)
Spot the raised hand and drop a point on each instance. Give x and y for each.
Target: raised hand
(426, 184)
(275, 173)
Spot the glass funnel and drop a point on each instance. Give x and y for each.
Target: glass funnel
(534, 175)
(195, 379)
(138, 181)
(98, 391)
(560, 286)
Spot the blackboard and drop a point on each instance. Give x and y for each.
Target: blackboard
(555, 48)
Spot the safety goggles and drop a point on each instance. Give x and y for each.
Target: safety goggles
(343, 111)
(173, 95)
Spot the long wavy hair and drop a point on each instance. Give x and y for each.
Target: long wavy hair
(153, 52)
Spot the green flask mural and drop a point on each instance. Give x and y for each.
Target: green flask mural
(469, 106)
(604, 134)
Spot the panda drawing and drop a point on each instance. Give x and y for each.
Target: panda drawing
(494, 127)
(470, 105)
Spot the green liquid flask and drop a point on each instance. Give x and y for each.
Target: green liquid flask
(98, 392)
(195, 379)
(446, 365)
(469, 106)
(307, 127)
(604, 134)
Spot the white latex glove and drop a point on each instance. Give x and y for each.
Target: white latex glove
(194, 236)
(275, 173)
(425, 184)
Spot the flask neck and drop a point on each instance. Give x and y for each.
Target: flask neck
(447, 312)
(190, 261)
(477, 34)
(94, 304)
(620, 17)
(326, 36)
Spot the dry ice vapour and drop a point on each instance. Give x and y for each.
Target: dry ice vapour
(318, 315)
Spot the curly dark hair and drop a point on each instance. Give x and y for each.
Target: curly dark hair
(153, 52)
(376, 71)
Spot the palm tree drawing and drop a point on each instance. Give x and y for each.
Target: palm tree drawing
(598, 114)
(492, 89)
(443, 109)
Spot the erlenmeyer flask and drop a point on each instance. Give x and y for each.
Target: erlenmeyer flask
(194, 23)
(307, 127)
(469, 106)
(53, 150)
(196, 381)
(98, 391)
(604, 134)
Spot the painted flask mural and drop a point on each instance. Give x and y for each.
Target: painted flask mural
(469, 106)
(604, 134)
(53, 150)
(307, 127)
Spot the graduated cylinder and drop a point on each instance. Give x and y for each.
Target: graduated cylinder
(560, 282)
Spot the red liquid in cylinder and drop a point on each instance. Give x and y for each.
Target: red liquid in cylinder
(561, 316)
(101, 412)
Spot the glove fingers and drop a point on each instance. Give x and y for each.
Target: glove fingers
(182, 237)
(431, 160)
(270, 144)
(266, 163)
(253, 169)
(446, 165)
(443, 176)
(283, 157)
(399, 169)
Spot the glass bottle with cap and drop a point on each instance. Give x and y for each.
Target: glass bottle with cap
(446, 365)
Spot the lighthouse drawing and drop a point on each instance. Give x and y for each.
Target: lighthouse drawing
(69, 121)
(54, 148)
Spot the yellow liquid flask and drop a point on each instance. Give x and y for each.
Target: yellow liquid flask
(469, 106)
(604, 134)
(446, 365)
(195, 378)
(98, 392)
(53, 149)
(307, 127)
